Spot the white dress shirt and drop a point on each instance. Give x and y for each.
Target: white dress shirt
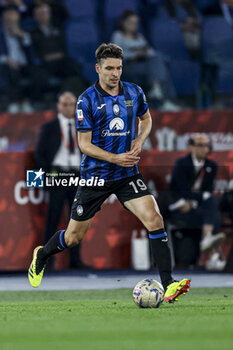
(198, 165)
(63, 157)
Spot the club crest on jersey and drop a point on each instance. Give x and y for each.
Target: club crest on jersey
(116, 109)
(80, 115)
(79, 210)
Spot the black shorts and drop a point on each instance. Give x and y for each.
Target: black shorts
(88, 200)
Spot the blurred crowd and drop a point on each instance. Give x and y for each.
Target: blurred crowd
(37, 61)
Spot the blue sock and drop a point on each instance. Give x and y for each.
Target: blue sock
(56, 244)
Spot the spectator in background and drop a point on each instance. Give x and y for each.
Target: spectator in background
(50, 47)
(193, 205)
(58, 10)
(17, 63)
(227, 10)
(18, 4)
(185, 12)
(144, 65)
(57, 151)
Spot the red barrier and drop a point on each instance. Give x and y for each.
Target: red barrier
(20, 131)
(170, 130)
(107, 243)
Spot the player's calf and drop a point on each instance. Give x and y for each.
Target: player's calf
(72, 238)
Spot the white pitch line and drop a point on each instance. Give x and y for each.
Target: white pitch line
(93, 281)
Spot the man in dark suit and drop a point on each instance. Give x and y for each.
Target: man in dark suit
(194, 205)
(50, 47)
(17, 62)
(57, 151)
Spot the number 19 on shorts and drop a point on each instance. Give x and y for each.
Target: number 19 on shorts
(138, 185)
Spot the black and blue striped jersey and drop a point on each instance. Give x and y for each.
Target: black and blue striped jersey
(112, 120)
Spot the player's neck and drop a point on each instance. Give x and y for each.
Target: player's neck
(111, 91)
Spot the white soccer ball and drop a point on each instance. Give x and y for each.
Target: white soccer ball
(148, 293)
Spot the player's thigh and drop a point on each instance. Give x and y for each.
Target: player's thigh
(147, 211)
(76, 231)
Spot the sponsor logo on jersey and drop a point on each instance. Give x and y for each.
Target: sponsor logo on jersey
(129, 103)
(100, 107)
(115, 126)
(144, 98)
(80, 115)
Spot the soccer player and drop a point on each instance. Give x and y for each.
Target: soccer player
(106, 117)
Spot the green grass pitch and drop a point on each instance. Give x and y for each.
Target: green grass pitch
(109, 320)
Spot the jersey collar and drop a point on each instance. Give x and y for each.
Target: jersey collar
(105, 93)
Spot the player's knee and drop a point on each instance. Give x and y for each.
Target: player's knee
(154, 221)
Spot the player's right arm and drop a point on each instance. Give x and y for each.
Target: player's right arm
(84, 121)
(87, 147)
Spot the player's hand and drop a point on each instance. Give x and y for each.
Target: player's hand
(136, 147)
(126, 160)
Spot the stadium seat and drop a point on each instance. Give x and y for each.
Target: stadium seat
(80, 8)
(28, 2)
(161, 12)
(28, 24)
(186, 76)
(114, 9)
(89, 72)
(225, 80)
(166, 36)
(82, 40)
(112, 12)
(217, 39)
(203, 4)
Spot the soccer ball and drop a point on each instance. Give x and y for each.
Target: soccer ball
(148, 293)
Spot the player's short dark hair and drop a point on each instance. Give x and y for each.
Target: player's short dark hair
(108, 51)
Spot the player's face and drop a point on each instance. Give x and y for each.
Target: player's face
(66, 105)
(200, 148)
(109, 71)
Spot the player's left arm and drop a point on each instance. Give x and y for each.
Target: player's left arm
(144, 129)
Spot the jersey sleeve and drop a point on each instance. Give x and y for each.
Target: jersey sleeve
(142, 103)
(84, 119)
